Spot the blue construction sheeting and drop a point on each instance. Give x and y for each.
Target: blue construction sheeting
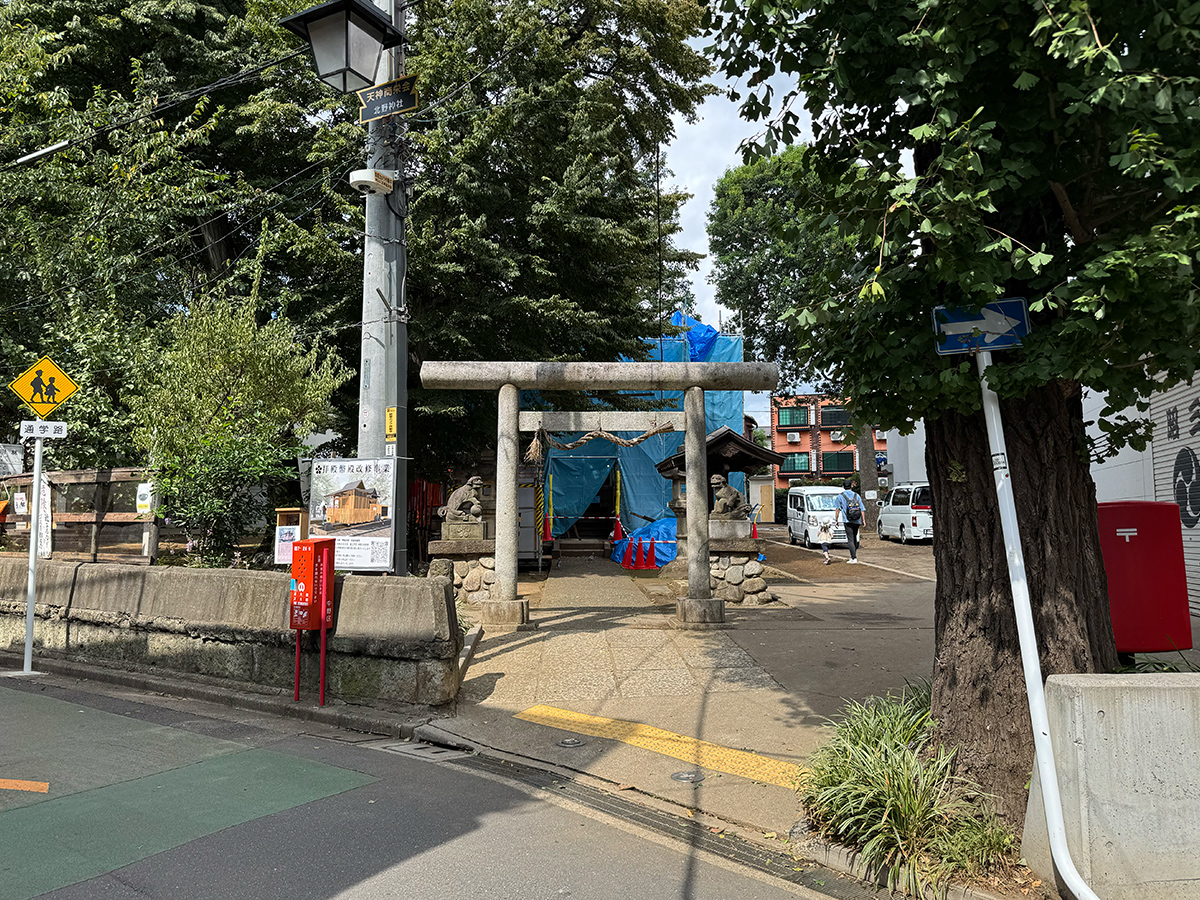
(575, 485)
(663, 533)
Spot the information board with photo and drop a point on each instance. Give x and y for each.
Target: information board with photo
(351, 500)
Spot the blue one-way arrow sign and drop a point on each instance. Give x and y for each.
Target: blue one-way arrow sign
(998, 325)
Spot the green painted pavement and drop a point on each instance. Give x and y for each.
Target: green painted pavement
(60, 842)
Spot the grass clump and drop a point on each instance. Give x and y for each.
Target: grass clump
(879, 786)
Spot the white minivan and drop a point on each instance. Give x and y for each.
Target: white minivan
(806, 508)
(906, 513)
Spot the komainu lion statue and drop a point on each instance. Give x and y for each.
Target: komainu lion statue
(464, 505)
(730, 504)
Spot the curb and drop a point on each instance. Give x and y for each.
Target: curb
(375, 721)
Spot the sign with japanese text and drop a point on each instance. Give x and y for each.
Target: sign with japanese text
(43, 386)
(39, 428)
(388, 99)
(351, 500)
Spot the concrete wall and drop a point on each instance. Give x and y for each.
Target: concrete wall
(393, 639)
(1129, 475)
(906, 455)
(1127, 749)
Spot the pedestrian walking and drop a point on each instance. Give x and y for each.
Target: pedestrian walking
(848, 509)
(825, 537)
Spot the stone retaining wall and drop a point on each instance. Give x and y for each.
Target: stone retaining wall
(472, 578)
(393, 639)
(738, 579)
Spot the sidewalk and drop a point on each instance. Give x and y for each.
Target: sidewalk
(749, 699)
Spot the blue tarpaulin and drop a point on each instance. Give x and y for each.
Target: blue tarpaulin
(663, 533)
(576, 481)
(700, 337)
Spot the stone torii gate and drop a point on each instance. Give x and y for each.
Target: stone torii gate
(699, 609)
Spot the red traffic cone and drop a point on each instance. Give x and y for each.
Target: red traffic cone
(627, 561)
(617, 534)
(754, 530)
(546, 535)
(651, 559)
(640, 563)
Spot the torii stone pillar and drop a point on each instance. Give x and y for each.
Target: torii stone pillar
(698, 609)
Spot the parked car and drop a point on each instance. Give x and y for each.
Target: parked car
(906, 513)
(807, 506)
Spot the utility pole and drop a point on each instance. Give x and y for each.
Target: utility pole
(383, 374)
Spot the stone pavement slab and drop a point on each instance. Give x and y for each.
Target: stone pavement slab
(605, 647)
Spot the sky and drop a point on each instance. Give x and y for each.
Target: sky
(700, 154)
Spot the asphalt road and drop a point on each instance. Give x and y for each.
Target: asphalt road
(107, 793)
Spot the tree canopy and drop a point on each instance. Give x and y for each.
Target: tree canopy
(773, 255)
(536, 224)
(1057, 156)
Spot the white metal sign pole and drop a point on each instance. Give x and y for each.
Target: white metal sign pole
(1044, 750)
(34, 532)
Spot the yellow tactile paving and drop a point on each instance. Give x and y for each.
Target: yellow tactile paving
(677, 746)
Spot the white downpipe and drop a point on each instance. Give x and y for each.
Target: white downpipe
(1044, 749)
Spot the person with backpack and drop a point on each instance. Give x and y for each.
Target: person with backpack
(848, 508)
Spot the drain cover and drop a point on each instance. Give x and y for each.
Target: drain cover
(692, 777)
(421, 750)
(571, 742)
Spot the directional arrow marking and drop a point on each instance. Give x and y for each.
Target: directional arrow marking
(991, 323)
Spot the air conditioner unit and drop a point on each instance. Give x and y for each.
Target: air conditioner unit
(837, 436)
(880, 435)
(793, 437)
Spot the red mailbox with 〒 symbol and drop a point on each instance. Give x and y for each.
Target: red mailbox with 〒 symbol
(311, 605)
(312, 584)
(1142, 543)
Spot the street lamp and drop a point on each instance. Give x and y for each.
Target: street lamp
(348, 39)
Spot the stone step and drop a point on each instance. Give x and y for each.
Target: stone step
(582, 547)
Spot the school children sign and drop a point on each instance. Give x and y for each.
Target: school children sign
(43, 386)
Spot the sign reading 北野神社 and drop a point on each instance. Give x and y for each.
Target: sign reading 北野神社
(388, 99)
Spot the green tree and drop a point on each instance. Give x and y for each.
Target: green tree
(1054, 156)
(181, 142)
(772, 252)
(536, 223)
(222, 416)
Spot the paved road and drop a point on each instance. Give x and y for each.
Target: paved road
(154, 797)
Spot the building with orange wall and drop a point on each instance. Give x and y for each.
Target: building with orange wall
(813, 432)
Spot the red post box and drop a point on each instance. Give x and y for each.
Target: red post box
(1142, 543)
(311, 605)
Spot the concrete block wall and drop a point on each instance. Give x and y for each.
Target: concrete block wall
(1127, 750)
(394, 638)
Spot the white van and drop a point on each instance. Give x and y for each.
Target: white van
(906, 513)
(807, 507)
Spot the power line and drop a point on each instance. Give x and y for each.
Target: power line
(159, 108)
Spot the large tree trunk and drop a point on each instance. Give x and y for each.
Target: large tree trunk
(979, 695)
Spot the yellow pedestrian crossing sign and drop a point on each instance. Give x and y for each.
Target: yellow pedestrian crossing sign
(43, 386)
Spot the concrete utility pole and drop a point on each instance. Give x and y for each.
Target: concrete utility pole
(383, 373)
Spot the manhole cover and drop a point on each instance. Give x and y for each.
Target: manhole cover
(571, 742)
(692, 777)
